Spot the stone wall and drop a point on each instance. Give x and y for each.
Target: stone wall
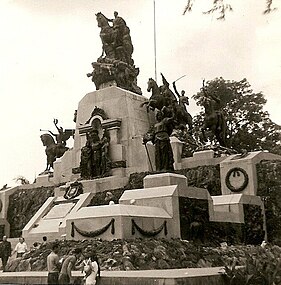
(23, 204)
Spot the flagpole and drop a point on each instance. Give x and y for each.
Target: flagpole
(155, 64)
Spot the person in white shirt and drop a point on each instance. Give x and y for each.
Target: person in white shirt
(21, 247)
(91, 270)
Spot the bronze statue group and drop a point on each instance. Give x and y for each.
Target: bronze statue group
(95, 160)
(172, 116)
(115, 66)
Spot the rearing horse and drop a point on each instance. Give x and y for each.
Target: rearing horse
(53, 150)
(182, 116)
(115, 39)
(107, 35)
(214, 121)
(156, 100)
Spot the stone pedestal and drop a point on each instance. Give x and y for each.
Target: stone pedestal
(45, 180)
(63, 168)
(165, 179)
(177, 151)
(202, 155)
(238, 172)
(120, 113)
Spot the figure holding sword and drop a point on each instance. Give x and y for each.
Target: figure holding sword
(182, 112)
(183, 100)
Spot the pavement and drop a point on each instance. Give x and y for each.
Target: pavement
(164, 273)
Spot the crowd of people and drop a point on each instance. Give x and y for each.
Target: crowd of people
(59, 270)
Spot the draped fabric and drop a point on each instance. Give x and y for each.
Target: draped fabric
(149, 233)
(95, 233)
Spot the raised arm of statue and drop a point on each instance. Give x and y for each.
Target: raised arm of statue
(164, 80)
(52, 133)
(60, 130)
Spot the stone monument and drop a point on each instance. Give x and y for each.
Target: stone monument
(112, 141)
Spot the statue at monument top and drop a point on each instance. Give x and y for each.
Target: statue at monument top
(116, 39)
(115, 66)
(120, 25)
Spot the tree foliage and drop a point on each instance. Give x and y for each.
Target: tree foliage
(22, 180)
(248, 125)
(221, 8)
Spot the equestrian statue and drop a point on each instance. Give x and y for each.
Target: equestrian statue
(115, 66)
(55, 149)
(214, 119)
(163, 96)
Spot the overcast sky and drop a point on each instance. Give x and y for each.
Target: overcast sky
(47, 47)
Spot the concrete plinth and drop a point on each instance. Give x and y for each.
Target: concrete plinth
(50, 219)
(229, 208)
(165, 179)
(45, 180)
(238, 172)
(116, 221)
(125, 120)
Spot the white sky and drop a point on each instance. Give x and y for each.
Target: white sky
(47, 47)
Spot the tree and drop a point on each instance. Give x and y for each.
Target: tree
(22, 180)
(220, 7)
(248, 125)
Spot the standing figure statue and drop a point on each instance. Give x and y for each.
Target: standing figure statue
(160, 137)
(214, 119)
(94, 156)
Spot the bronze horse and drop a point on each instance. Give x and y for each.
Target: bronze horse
(156, 100)
(183, 117)
(53, 150)
(214, 121)
(115, 45)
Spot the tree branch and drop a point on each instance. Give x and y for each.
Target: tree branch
(220, 7)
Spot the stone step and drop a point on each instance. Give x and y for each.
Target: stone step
(191, 276)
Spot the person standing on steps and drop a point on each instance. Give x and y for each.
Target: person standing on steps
(21, 248)
(53, 265)
(91, 270)
(5, 252)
